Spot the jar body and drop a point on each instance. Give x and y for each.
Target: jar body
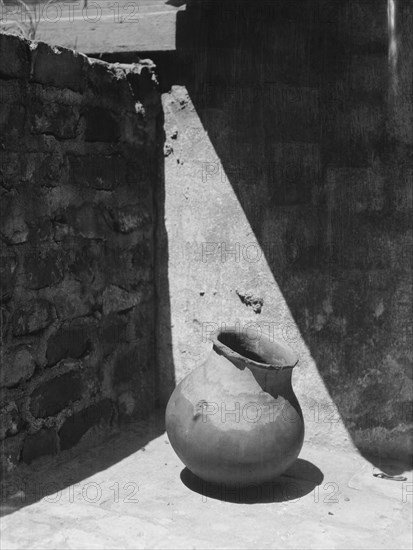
(235, 423)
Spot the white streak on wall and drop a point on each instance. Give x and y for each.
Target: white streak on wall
(391, 17)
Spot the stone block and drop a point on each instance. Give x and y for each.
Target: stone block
(103, 172)
(42, 443)
(101, 125)
(12, 123)
(116, 299)
(144, 395)
(82, 265)
(109, 85)
(52, 396)
(130, 218)
(71, 299)
(8, 265)
(43, 267)
(12, 92)
(31, 168)
(4, 323)
(130, 364)
(14, 57)
(77, 425)
(71, 341)
(144, 86)
(142, 255)
(59, 67)
(39, 235)
(50, 169)
(127, 268)
(31, 316)
(87, 221)
(11, 169)
(10, 421)
(18, 365)
(114, 330)
(10, 452)
(13, 224)
(133, 129)
(54, 119)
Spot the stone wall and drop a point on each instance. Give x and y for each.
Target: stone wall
(79, 162)
(288, 201)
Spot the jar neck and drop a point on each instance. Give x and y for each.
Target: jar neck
(273, 380)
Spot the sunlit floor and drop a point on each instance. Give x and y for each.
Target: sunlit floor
(133, 492)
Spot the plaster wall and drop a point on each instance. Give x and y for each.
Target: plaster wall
(288, 176)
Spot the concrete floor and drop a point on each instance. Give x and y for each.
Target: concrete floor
(132, 492)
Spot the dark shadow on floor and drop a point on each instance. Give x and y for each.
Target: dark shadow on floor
(50, 475)
(298, 481)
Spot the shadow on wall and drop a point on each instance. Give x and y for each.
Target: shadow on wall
(163, 339)
(313, 129)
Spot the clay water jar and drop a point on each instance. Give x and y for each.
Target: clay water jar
(235, 418)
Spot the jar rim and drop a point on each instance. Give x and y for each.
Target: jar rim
(282, 356)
